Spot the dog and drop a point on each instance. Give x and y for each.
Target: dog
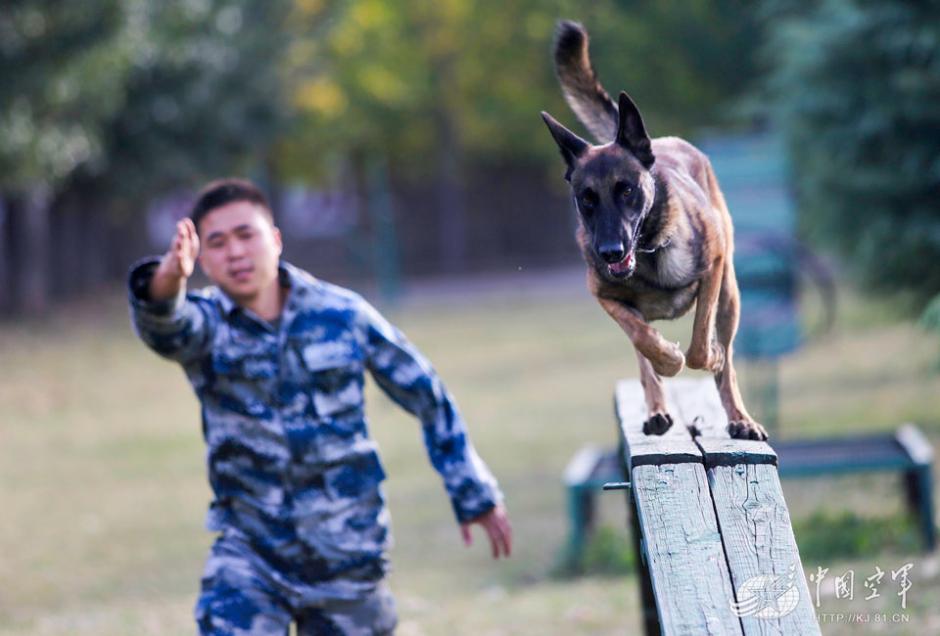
(655, 233)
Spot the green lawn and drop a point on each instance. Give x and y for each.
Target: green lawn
(102, 485)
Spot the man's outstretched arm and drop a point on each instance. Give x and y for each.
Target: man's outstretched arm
(408, 378)
(169, 324)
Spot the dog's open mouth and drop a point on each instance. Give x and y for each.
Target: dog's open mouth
(624, 268)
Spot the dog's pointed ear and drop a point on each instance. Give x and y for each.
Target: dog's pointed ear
(571, 146)
(631, 132)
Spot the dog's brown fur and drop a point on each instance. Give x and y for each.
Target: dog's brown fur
(656, 234)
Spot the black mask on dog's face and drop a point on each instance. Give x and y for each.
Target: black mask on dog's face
(612, 186)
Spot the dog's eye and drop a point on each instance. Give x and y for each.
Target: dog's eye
(587, 200)
(626, 190)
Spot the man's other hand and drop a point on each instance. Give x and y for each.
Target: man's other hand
(496, 524)
(177, 264)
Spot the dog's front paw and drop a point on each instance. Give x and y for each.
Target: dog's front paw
(657, 424)
(669, 359)
(744, 429)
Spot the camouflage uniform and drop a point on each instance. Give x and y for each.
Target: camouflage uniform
(296, 478)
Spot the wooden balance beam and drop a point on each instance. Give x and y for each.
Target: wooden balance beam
(714, 543)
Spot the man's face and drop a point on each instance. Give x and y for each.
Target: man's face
(240, 249)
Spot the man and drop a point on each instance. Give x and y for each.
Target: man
(277, 360)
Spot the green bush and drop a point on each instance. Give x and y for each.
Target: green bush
(609, 551)
(825, 536)
(855, 84)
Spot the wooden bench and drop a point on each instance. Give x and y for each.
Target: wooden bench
(586, 474)
(906, 451)
(711, 528)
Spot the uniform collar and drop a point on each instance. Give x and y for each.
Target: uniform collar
(288, 276)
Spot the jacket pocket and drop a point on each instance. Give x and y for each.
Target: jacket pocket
(335, 378)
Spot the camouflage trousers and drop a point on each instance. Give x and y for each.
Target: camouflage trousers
(241, 595)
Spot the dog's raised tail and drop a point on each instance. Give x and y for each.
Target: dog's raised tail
(587, 98)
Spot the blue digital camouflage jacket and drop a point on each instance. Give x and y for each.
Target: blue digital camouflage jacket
(290, 460)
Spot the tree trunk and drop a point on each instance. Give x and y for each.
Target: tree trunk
(129, 241)
(450, 197)
(6, 297)
(450, 201)
(66, 252)
(29, 225)
(93, 247)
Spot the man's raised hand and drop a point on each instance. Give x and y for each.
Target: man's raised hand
(177, 264)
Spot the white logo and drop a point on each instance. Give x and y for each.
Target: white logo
(767, 596)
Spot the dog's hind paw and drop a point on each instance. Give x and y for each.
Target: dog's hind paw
(743, 429)
(657, 424)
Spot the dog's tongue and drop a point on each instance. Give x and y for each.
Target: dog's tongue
(623, 266)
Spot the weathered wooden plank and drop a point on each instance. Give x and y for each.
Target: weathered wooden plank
(711, 528)
(698, 404)
(684, 550)
(675, 446)
(752, 517)
(763, 558)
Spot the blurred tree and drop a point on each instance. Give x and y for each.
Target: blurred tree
(203, 97)
(855, 85)
(106, 103)
(371, 73)
(62, 67)
(439, 85)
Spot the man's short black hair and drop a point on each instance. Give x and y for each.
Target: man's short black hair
(224, 191)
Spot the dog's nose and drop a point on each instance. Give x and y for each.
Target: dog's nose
(612, 252)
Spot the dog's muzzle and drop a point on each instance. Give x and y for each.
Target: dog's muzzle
(624, 267)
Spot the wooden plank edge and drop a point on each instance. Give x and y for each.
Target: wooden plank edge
(730, 452)
(913, 441)
(664, 459)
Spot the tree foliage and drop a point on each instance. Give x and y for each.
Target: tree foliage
(105, 104)
(856, 84)
(204, 96)
(63, 65)
(139, 94)
(136, 95)
(379, 76)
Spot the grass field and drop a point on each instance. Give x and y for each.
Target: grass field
(103, 491)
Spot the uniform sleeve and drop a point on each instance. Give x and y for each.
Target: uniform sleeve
(408, 379)
(180, 328)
